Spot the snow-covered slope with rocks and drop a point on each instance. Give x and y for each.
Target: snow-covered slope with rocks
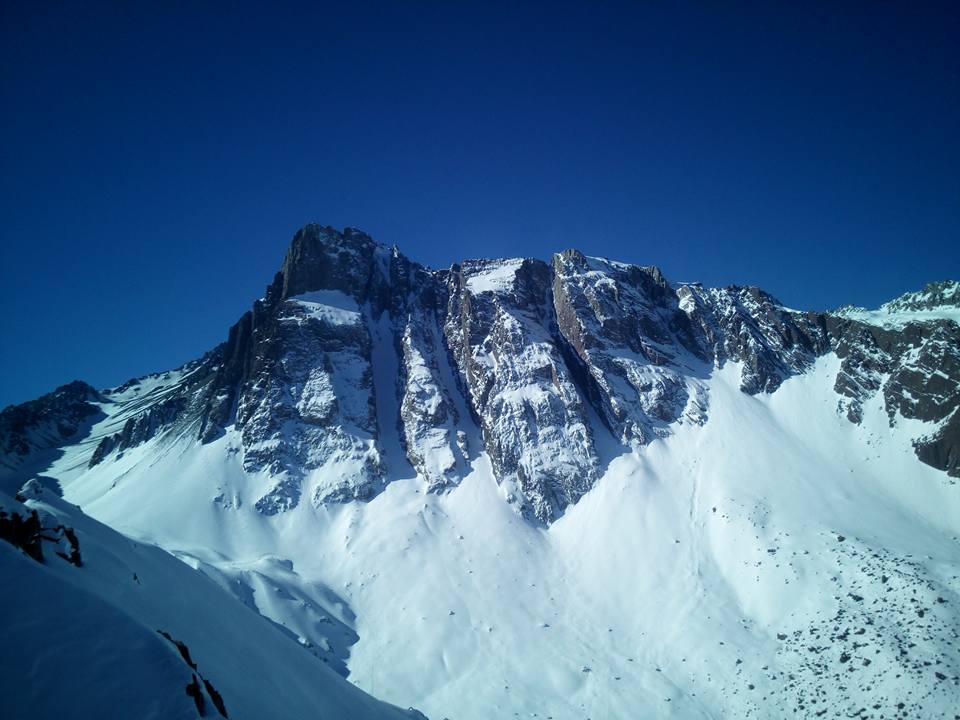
(937, 301)
(567, 488)
(97, 625)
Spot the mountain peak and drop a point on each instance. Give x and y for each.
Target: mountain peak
(942, 294)
(321, 257)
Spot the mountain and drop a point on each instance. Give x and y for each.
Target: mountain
(571, 488)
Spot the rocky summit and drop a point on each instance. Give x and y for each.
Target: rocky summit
(355, 350)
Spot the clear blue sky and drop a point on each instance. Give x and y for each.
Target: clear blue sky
(157, 157)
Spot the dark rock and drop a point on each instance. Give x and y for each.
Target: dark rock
(194, 691)
(215, 698)
(23, 532)
(47, 422)
(181, 648)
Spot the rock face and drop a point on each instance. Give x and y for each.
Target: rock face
(917, 369)
(355, 349)
(935, 296)
(502, 332)
(298, 383)
(638, 352)
(309, 400)
(45, 423)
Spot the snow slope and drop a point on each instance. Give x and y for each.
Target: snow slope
(85, 642)
(775, 560)
(897, 319)
(492, 276)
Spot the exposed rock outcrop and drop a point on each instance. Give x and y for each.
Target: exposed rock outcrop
(46, 423)
(354, 347)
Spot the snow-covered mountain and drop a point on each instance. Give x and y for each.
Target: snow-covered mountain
(566, 489)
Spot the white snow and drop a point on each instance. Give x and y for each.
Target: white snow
(385, 372)
(83, 642)
(496, 276)
(330, 306)
(938, 301)
(897, 319)
(694, 552)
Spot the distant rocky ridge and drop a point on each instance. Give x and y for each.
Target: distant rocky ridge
(934, 296)
(46, 423)
(353, 343)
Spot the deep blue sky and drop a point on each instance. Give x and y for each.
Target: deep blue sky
(157, 157)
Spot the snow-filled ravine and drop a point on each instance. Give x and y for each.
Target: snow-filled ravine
(778, 560)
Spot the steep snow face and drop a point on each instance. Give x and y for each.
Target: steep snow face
(330, 307)
(776, 559)
(492, 276)
(436, 424)
(122, 627)
(435, 444)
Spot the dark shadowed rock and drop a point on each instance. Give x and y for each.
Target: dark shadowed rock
(46, 423)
